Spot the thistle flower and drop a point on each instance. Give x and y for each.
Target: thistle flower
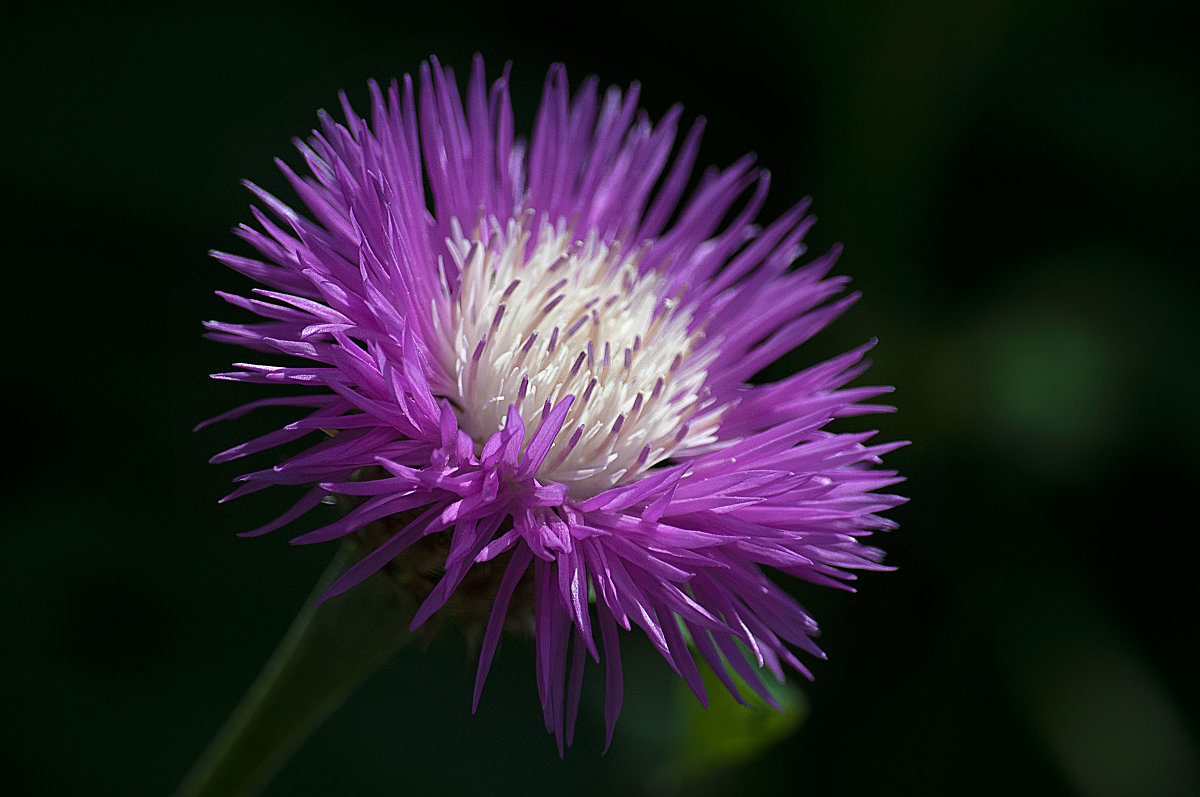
(533, 366)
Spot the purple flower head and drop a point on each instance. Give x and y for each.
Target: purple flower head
(532, 363)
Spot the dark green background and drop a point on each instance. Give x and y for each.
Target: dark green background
(1015, 185)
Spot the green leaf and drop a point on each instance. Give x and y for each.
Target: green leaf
(727, 733)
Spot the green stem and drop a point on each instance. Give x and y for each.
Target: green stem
(328, 651)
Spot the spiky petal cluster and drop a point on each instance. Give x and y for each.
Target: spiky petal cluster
(543, 352)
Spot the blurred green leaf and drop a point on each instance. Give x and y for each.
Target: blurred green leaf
(727, 733)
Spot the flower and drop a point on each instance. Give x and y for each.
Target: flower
(533, 361)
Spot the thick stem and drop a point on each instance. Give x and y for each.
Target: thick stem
(327, 652)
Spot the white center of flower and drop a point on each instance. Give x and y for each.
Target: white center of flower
(539, 317)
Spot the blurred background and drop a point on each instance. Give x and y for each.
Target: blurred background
(1015, 186)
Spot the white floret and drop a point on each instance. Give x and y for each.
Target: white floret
(537, 317)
